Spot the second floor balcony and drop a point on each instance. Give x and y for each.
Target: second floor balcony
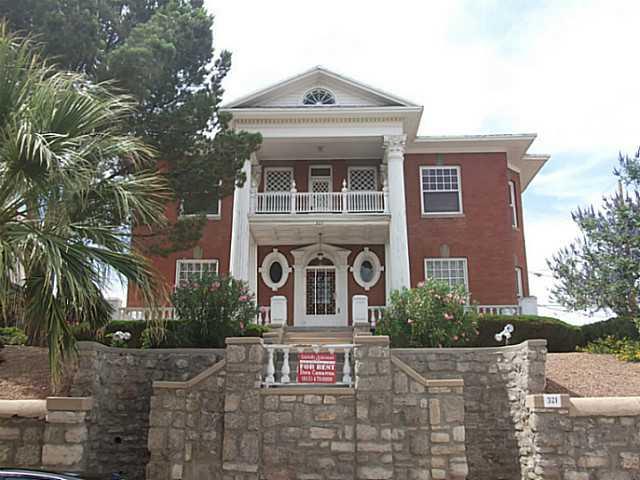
(345, 202)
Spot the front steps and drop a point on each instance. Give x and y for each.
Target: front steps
(318, 335)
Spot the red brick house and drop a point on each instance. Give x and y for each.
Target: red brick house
(344, 199)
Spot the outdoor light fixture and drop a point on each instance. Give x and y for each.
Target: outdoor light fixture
(504, 334)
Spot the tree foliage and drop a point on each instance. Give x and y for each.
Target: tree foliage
(161, 52)
(72, 179)
(601, 269)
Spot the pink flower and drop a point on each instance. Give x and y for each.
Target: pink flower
(241, 325)
(447, 316)
(420, 284)
(455, 338)
(409, 321)
(243, 298)
(214, 286)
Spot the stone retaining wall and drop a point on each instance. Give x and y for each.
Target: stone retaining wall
(394, 424)
(496, 383)
(50, 434)
(583, 439)
(120, 381)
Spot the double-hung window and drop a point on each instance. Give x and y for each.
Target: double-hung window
(512, 204)
(453, 271)
(189, 270)
(441, 190)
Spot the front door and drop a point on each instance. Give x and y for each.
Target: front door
(321, 307)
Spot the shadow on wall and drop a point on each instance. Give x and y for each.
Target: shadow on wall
(496, 383)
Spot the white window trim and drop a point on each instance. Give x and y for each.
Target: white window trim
(269, 259)
(276, 169)
(183, 261)
(375, 175)
(367, 254)
(519, 283)
(330, 177)
(513, 204)
(441, 259)
(422, 192)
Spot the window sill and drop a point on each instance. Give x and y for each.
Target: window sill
(443, 215)
(209, 216)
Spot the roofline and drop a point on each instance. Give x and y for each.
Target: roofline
(477, 138)
(324, 111)
(354, 83)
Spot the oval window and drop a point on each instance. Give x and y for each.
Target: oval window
(366, 271)
(275, 272)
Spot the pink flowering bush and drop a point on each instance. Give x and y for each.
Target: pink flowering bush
(213, 308)
(431, 315)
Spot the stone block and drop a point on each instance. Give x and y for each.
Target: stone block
(434, 411)
(28, 456)
(9, 433)
(346, 447)
(593, 461)
(312, 399)
(440, 437)
(366, 432)
(630, 460)
(76, 434)
(459, 433)
(374, 473)
(62, 455)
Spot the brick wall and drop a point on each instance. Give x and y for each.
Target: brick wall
(483, 234)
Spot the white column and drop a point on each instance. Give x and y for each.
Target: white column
(398, 246)
(240, 234)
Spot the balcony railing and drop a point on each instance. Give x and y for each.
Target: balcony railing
(345, 202)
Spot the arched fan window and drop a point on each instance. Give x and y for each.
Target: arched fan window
(319, 97)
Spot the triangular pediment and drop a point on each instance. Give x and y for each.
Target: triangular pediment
(291, 92)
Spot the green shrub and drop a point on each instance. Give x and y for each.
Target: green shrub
(12, 336)
(212, 309)
(616, 327)
(560, 336)
(626, 350)
(171, 335)
(431, 315)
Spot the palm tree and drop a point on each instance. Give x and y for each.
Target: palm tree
(73, 183)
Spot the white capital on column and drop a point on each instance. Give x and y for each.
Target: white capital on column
(398, 244)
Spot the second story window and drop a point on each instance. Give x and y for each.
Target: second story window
(441, 190)
(513, 205)
(278, 179)
(199, 203)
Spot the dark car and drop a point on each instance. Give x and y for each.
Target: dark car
(20, 473)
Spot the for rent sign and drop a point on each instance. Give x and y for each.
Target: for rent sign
(316, 367)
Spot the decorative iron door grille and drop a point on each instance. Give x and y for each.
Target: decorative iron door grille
(321, 290)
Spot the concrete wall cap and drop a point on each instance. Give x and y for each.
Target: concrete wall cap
(605, 407)
(371, 340)
(69, 404)
(213, 369)
(537, 402)
(518, 346)
(23, 408)
(243, 340)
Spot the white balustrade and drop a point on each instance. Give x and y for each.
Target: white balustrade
(264, 316)
(345, 202)
(144, 314)
(282, 376)
(375, 316)
(498, 309)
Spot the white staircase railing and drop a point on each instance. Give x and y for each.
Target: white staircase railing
(375, 316)
(143, 313)
(280, 357)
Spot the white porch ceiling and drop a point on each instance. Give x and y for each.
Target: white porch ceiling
(321, 148)
(350, 230)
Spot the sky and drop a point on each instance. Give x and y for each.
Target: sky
(566, 70)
